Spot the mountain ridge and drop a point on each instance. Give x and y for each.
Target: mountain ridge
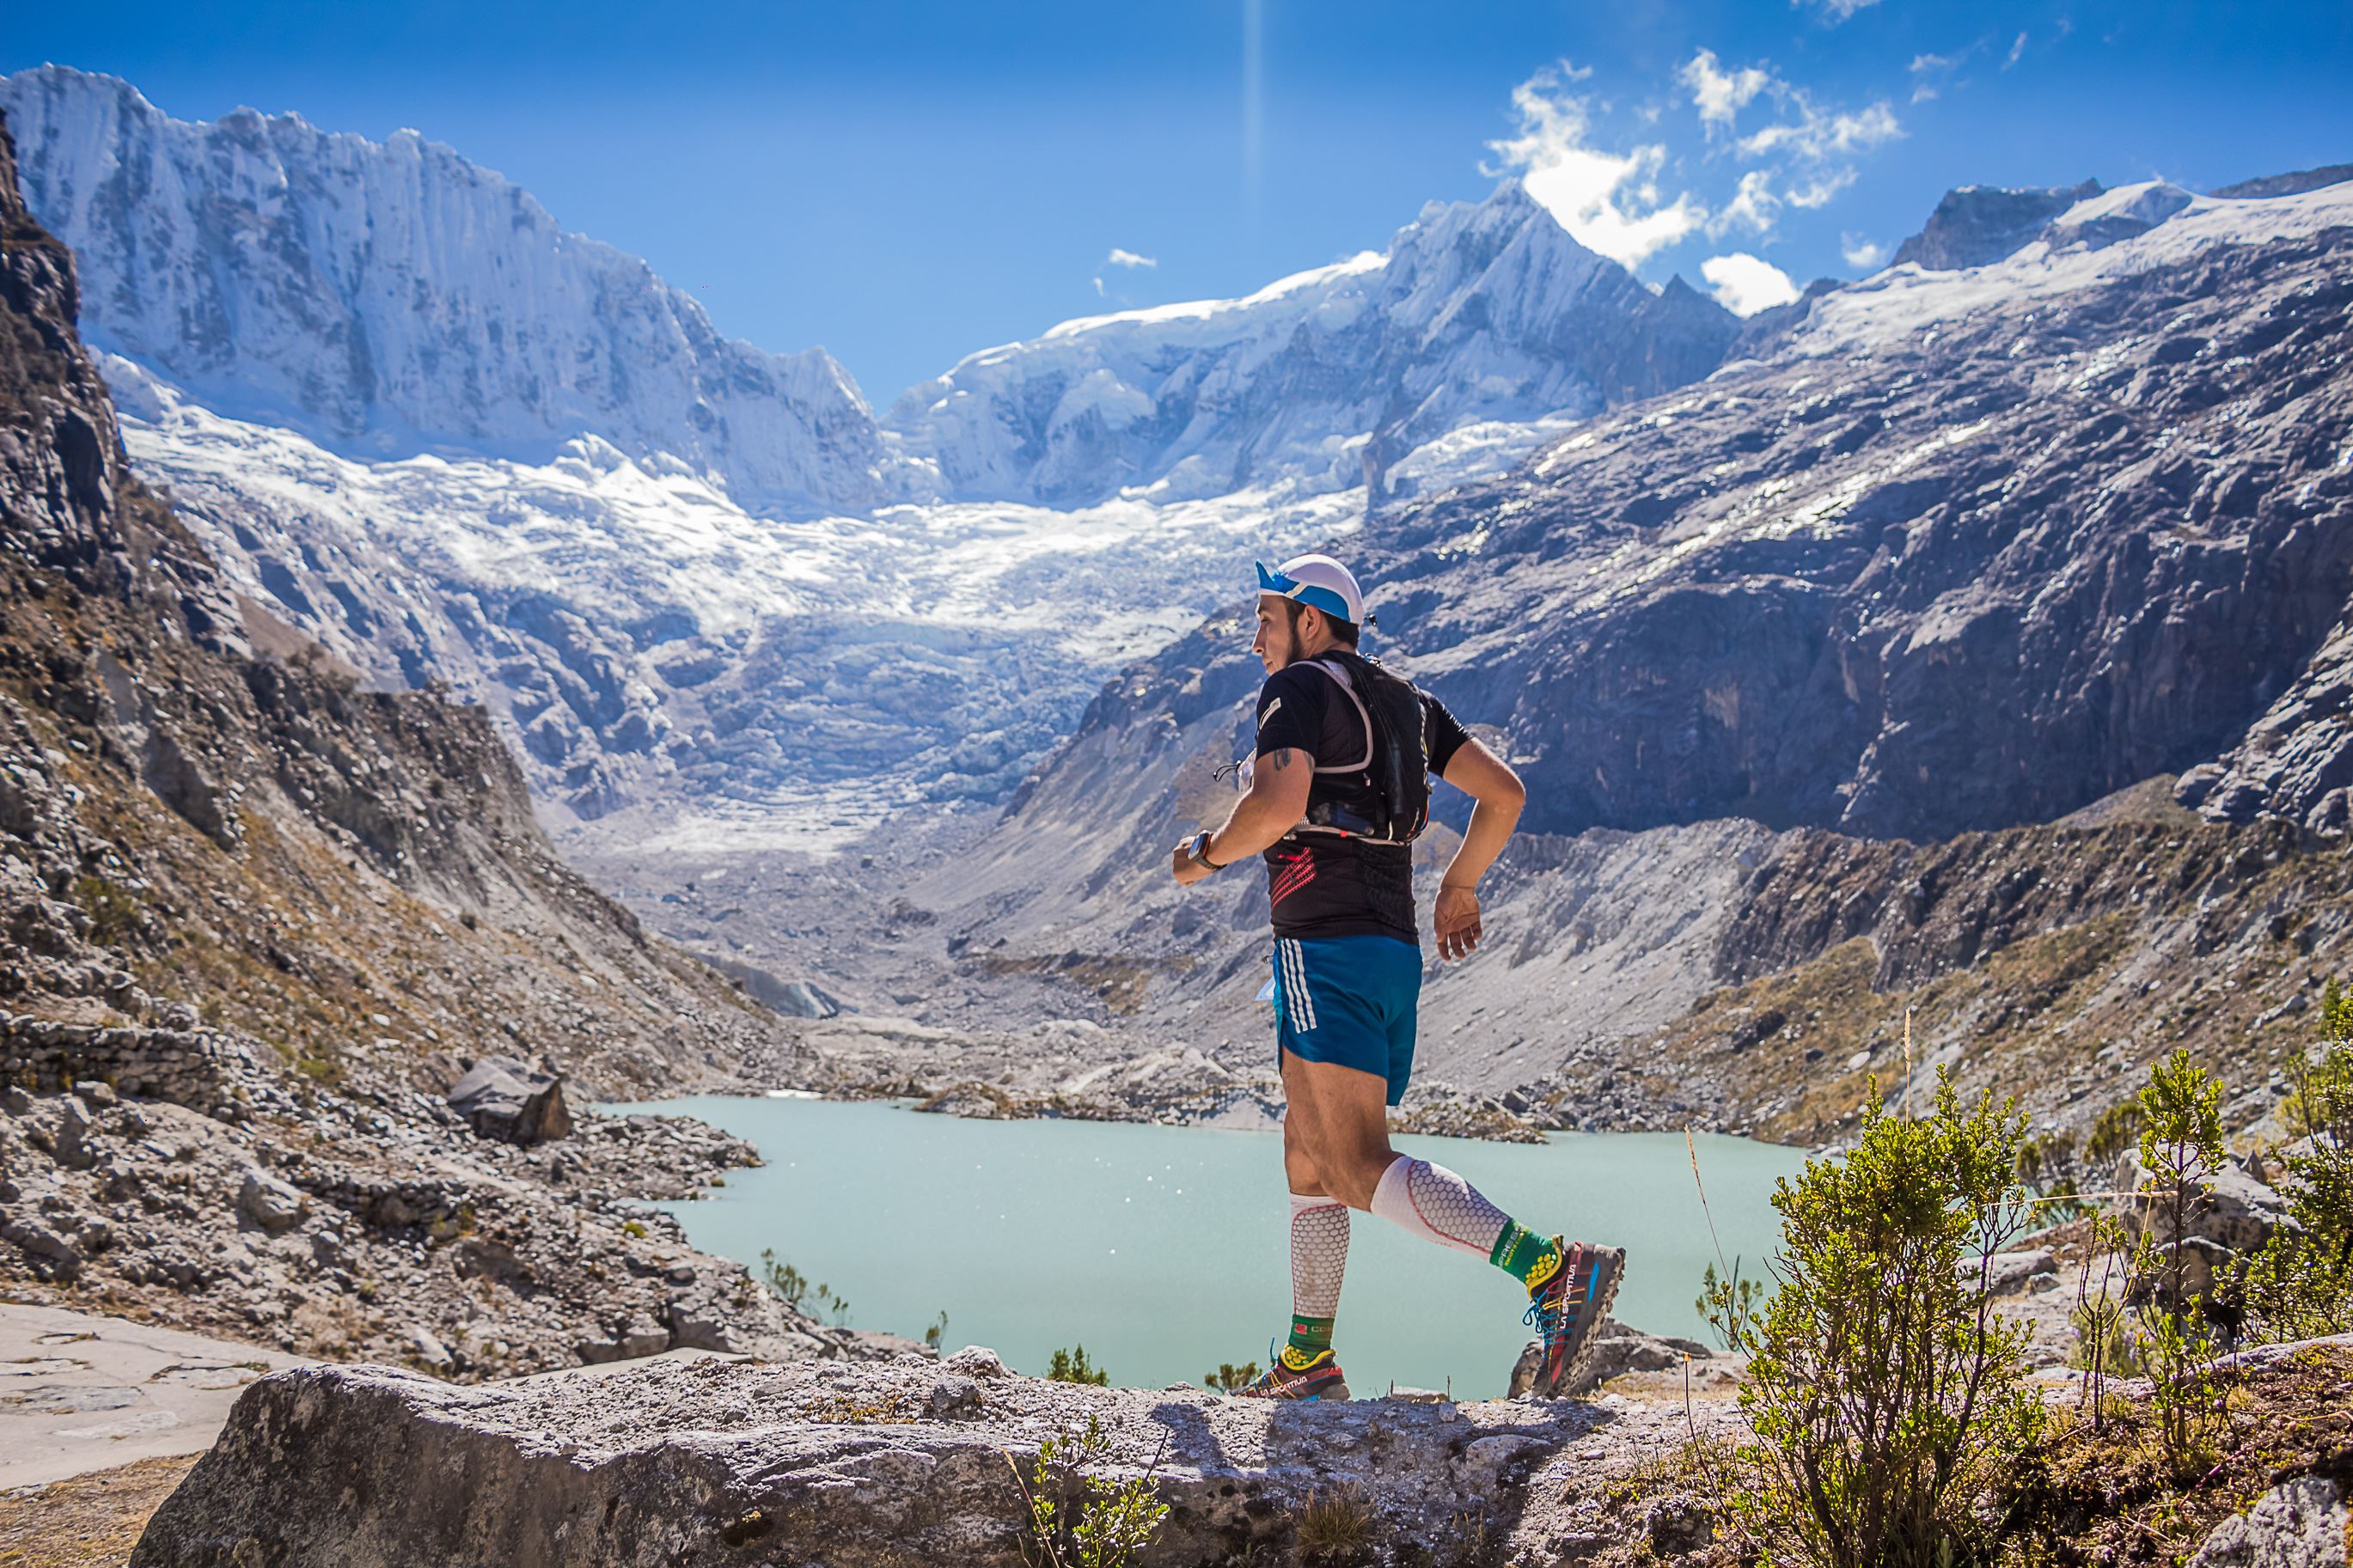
(386, 297)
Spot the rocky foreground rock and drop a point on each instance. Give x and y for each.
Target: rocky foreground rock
(705, 1462)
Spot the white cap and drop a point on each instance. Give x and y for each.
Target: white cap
(1316, 580)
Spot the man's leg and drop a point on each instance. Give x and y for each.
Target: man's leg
(1343, 1127)
(1306, 1367)
(1342, 1116)
(1319, 1254)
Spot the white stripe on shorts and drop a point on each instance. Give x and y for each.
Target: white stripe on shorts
(1302, 1001)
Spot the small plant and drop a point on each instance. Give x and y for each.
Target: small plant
(2103, 1347)
(114, 914)
(1336, 1527)
(786, 1281)
(1073, 1366)
(2301, 1284)
(2180, 1148)
(2113, 1130)
(634, 1229)
(793, 1286)
(937, 1331)
(1079, 1518)
(1887, 1400)
(1229, 1378)
(2052, 1167)
(1728, 1302)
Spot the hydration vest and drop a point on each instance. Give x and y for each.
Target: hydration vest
(1384, 796)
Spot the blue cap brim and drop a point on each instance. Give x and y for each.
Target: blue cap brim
(1323, 598)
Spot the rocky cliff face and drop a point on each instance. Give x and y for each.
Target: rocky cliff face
(1975, 226)
(252, 923)
(390, 297)
(1476, 313)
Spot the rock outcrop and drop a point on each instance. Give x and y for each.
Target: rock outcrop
(512, 1102)
(2303, 1524)
(702, 1462)
(1975, 224)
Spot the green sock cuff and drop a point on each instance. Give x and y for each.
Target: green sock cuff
(1519, 1250)
(1309, 1335)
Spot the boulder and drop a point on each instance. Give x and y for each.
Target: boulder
(2236, 1211)
(503, 1099)
(426, 1347)
(1620, 1348)
(2011, 1273)
(2301, 1524)
(270, 1203)
(698, 1464)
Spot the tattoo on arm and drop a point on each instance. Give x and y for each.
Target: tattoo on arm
(1279, 759)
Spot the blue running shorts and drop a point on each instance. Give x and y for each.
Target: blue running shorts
(1349, 1001)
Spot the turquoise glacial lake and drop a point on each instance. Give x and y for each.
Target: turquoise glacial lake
(1164, 1250)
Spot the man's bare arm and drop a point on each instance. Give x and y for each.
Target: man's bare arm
(1274, 805)
(1488, 780)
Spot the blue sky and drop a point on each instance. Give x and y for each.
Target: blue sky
(905, 183)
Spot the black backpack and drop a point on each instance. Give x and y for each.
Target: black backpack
(1384, 798)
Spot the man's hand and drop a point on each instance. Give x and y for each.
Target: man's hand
(1457, 919)
(1188, 870)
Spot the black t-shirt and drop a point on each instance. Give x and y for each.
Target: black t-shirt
(1322, 884)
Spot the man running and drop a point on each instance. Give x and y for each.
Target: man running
(1339, 788)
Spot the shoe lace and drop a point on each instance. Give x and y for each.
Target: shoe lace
(1550, 1320)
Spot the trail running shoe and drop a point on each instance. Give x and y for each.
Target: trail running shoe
(1291, 1376)
(1566, 1306)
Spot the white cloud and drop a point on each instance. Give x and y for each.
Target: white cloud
(1721, 94)
(1609, 201)
(2016, 49)
(1754, 207)
(1832, 12)
(1817, 191)
(1745, 284)
(1866, 254)
(1928, 72)
(1119, 257)
(1817, 134)
(1098, 289)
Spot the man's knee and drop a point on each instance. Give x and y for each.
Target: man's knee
(1357, 1176)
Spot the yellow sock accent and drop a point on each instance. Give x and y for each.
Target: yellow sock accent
(1546, 1267)
(1296, 1362)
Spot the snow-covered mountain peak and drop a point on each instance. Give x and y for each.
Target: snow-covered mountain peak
(1476, 312)
(391, 297)
(2118, 213)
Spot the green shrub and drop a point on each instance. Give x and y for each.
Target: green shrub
(1079, 1518)
(793, 1286)
(2300, 1285)
(1228, 1377)
(1887, 1398)
(786, 1281)
(1073, 1366)
(936, 1332)
(2180, 1151)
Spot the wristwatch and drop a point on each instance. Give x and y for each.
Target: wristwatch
(1198, 851)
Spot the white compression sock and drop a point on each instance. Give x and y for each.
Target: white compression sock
(1319, 1255)
(1436, 1204)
